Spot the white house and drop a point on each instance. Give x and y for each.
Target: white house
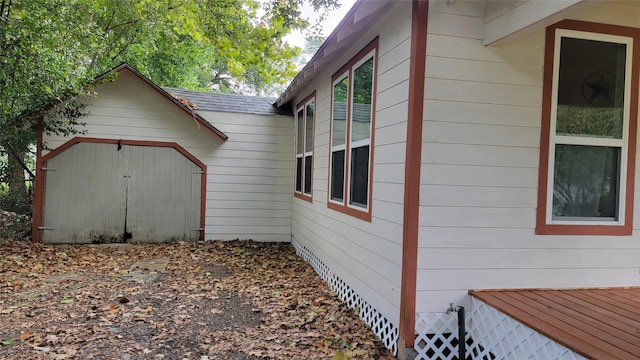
(479, 153)
(499, 154)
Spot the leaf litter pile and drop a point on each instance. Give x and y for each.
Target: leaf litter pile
(203, 300)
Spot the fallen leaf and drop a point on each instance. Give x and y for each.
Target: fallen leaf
(339, 356)
(258, 297)
(8, 342)
(355, 353)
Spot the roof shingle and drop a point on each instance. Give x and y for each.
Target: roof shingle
(210, 101)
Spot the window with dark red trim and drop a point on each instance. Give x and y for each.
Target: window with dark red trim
(351, 141)
(590, 110)
(305, 126)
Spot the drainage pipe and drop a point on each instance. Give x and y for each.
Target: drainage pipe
(462, 345)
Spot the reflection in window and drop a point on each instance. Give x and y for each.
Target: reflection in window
(591, 81)
(304, 148)
(590, 123)
(299, 153)
(359, 175)
(337, 175)
(351, 128)
(586, 181)
(338, 138)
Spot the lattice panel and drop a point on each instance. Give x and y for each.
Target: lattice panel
(506, 338)
(382, 327)
(437, 336)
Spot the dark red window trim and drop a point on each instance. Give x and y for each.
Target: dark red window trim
(542, 228)
(348, 68)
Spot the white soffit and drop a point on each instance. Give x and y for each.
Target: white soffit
(526, 15)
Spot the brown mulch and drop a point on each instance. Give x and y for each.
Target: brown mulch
(206, 300)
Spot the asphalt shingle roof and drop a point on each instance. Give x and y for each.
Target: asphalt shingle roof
(210, 101)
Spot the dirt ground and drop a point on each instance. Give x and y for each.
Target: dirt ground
(207, 300)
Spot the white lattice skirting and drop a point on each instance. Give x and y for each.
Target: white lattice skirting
(382, 327)
(435, 335)
(491, 334)
(506, 338)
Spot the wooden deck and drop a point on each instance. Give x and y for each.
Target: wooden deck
(595, 323)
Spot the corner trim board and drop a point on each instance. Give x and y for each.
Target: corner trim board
(413, 160)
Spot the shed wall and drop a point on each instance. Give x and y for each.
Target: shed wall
(480, 167)
(249, 177)
(365, 255)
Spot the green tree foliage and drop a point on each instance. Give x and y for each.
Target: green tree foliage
(51, 49)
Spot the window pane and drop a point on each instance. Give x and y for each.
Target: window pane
(308, 143)
(339, 112)
(308, 165)
(362, 99)
(586, 182)
(299, 138)
(359, 176)
(337, 175)
(299, 174)
(591, 82)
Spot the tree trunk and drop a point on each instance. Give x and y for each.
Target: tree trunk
(18, 197)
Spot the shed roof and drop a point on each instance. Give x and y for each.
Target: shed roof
(595, 323)
(210, 101)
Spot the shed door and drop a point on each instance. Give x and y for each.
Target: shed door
(101, 193)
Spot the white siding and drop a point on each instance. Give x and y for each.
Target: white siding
(249, 177)
(480, 158)
(366, 255)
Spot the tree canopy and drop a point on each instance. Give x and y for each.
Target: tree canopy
(51, 49)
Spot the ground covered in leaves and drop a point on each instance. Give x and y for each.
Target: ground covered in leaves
(205, 300)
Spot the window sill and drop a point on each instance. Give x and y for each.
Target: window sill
(593, 230)
(304, 197)
(362, 215)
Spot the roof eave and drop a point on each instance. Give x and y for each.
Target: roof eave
(357, 21)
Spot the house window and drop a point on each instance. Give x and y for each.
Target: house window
(352, 115)
(589, 173)
(305, 120)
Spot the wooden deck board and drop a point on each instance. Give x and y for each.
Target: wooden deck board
(599, 314)
(600, 325)
(596, 323)
(531, 319)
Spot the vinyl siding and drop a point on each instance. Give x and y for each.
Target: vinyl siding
(249, 177)
(366, 255)
(480, 156)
